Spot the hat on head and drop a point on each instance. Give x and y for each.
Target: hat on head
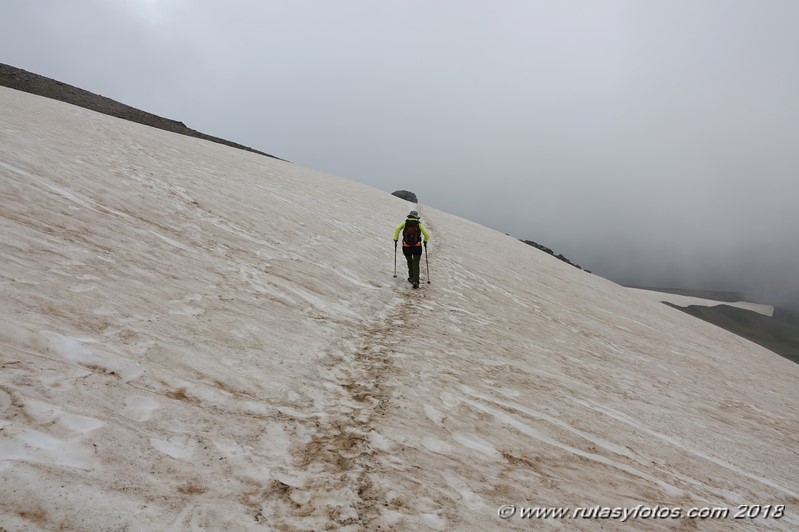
(414, 214)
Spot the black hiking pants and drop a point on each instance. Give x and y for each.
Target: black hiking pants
(413, 254)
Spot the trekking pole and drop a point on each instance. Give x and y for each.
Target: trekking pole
(395, 258)
(427, 262)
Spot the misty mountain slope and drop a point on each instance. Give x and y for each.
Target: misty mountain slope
(22, 80)
(779, 333)
(194, 337)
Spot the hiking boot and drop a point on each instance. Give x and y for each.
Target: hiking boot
(416, 285)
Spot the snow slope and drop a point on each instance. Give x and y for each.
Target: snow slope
(194, 337)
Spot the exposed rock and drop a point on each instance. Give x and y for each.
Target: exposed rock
(558, 256)
(406, 195)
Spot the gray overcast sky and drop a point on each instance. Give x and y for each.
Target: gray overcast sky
(653, 142)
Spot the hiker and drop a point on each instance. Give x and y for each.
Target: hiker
(412, 231)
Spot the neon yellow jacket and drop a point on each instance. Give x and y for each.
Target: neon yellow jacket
(401, 226)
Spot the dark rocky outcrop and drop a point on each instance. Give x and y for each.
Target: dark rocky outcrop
(22, 80)
(406, 195)
(558, 256)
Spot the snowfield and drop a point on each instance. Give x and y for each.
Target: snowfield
(194, 337)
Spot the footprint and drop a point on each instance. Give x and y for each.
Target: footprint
(180, 447)
(434, 445)
(81, 288)
(43, 448)
(80, 424)
(140, 408)
(5, 400)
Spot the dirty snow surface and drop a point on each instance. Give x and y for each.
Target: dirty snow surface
(198, 338)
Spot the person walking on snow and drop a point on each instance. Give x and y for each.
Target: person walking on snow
(412, 231)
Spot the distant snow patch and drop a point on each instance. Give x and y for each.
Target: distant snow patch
(686, 301)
